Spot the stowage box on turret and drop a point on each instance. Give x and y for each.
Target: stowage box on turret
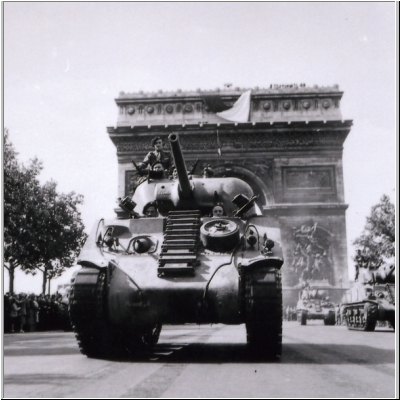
(184, 266)
(371, 299)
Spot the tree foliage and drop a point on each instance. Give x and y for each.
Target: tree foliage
(43, 229)
(377, 241)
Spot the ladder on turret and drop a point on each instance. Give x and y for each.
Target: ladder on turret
(181, 239)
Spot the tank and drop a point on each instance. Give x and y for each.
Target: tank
(314, 303)
(371, 299)
(183, 266)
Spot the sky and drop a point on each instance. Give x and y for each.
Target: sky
(65, 63)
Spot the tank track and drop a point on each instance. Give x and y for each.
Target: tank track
(390, 289)
(330, 318)
(96, 336)
(87, 313)
(302, 317)
(263, 309)
(361, 317)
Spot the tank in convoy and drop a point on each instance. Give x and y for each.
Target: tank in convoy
(314, 303)
(371, 299)
(181, 263)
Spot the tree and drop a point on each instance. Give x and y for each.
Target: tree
(377, 241)
(43, 229)
(20, 189)
(59, 231)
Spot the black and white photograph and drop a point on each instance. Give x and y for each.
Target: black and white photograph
(199, 199)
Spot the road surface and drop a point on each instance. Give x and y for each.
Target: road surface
(207, 361)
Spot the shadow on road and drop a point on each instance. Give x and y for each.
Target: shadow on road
(218, 353)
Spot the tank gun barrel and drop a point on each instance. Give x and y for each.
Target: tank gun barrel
(180, 166)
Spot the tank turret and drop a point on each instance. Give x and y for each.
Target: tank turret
(384, 274)
(204, 256)
(191, 192)
(371, 299)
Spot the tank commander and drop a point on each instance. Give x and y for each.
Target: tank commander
(158, 154)
(150, 210)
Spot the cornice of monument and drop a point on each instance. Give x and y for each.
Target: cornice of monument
(233, 127)
(274, 104)
(273, 89)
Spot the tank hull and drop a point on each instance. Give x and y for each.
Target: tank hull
(364, 305)
(183, 267)
(135, 292)
(314, 312)
(313, 304)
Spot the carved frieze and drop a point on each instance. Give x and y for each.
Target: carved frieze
(309, 179)
(267, 105)
(262, 168)
(326, 104)
(257, 141)
(311, 262)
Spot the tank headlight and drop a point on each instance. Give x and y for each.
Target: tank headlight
(251, 240)
(109, 241)
(141, 245)
(269, 244)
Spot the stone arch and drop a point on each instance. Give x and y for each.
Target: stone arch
(257, 184)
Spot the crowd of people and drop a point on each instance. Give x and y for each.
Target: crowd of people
(289, 313)
(29, 312)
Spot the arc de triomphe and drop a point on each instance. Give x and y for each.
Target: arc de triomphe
(290, 153)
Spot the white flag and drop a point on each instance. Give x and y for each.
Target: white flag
(240, 110)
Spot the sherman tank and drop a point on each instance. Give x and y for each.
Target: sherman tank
(183, 266)
(314, 303)
(371, 299)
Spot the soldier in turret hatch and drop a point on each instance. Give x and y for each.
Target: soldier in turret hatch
(150, 210)
(361, 262)
(208, 171)
(158, 154)
(157, 170)
(218, 210)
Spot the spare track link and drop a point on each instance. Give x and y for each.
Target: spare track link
(263, 309)
(181, 239)
(361, 317)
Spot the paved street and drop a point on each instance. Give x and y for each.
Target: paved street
(207, 361)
